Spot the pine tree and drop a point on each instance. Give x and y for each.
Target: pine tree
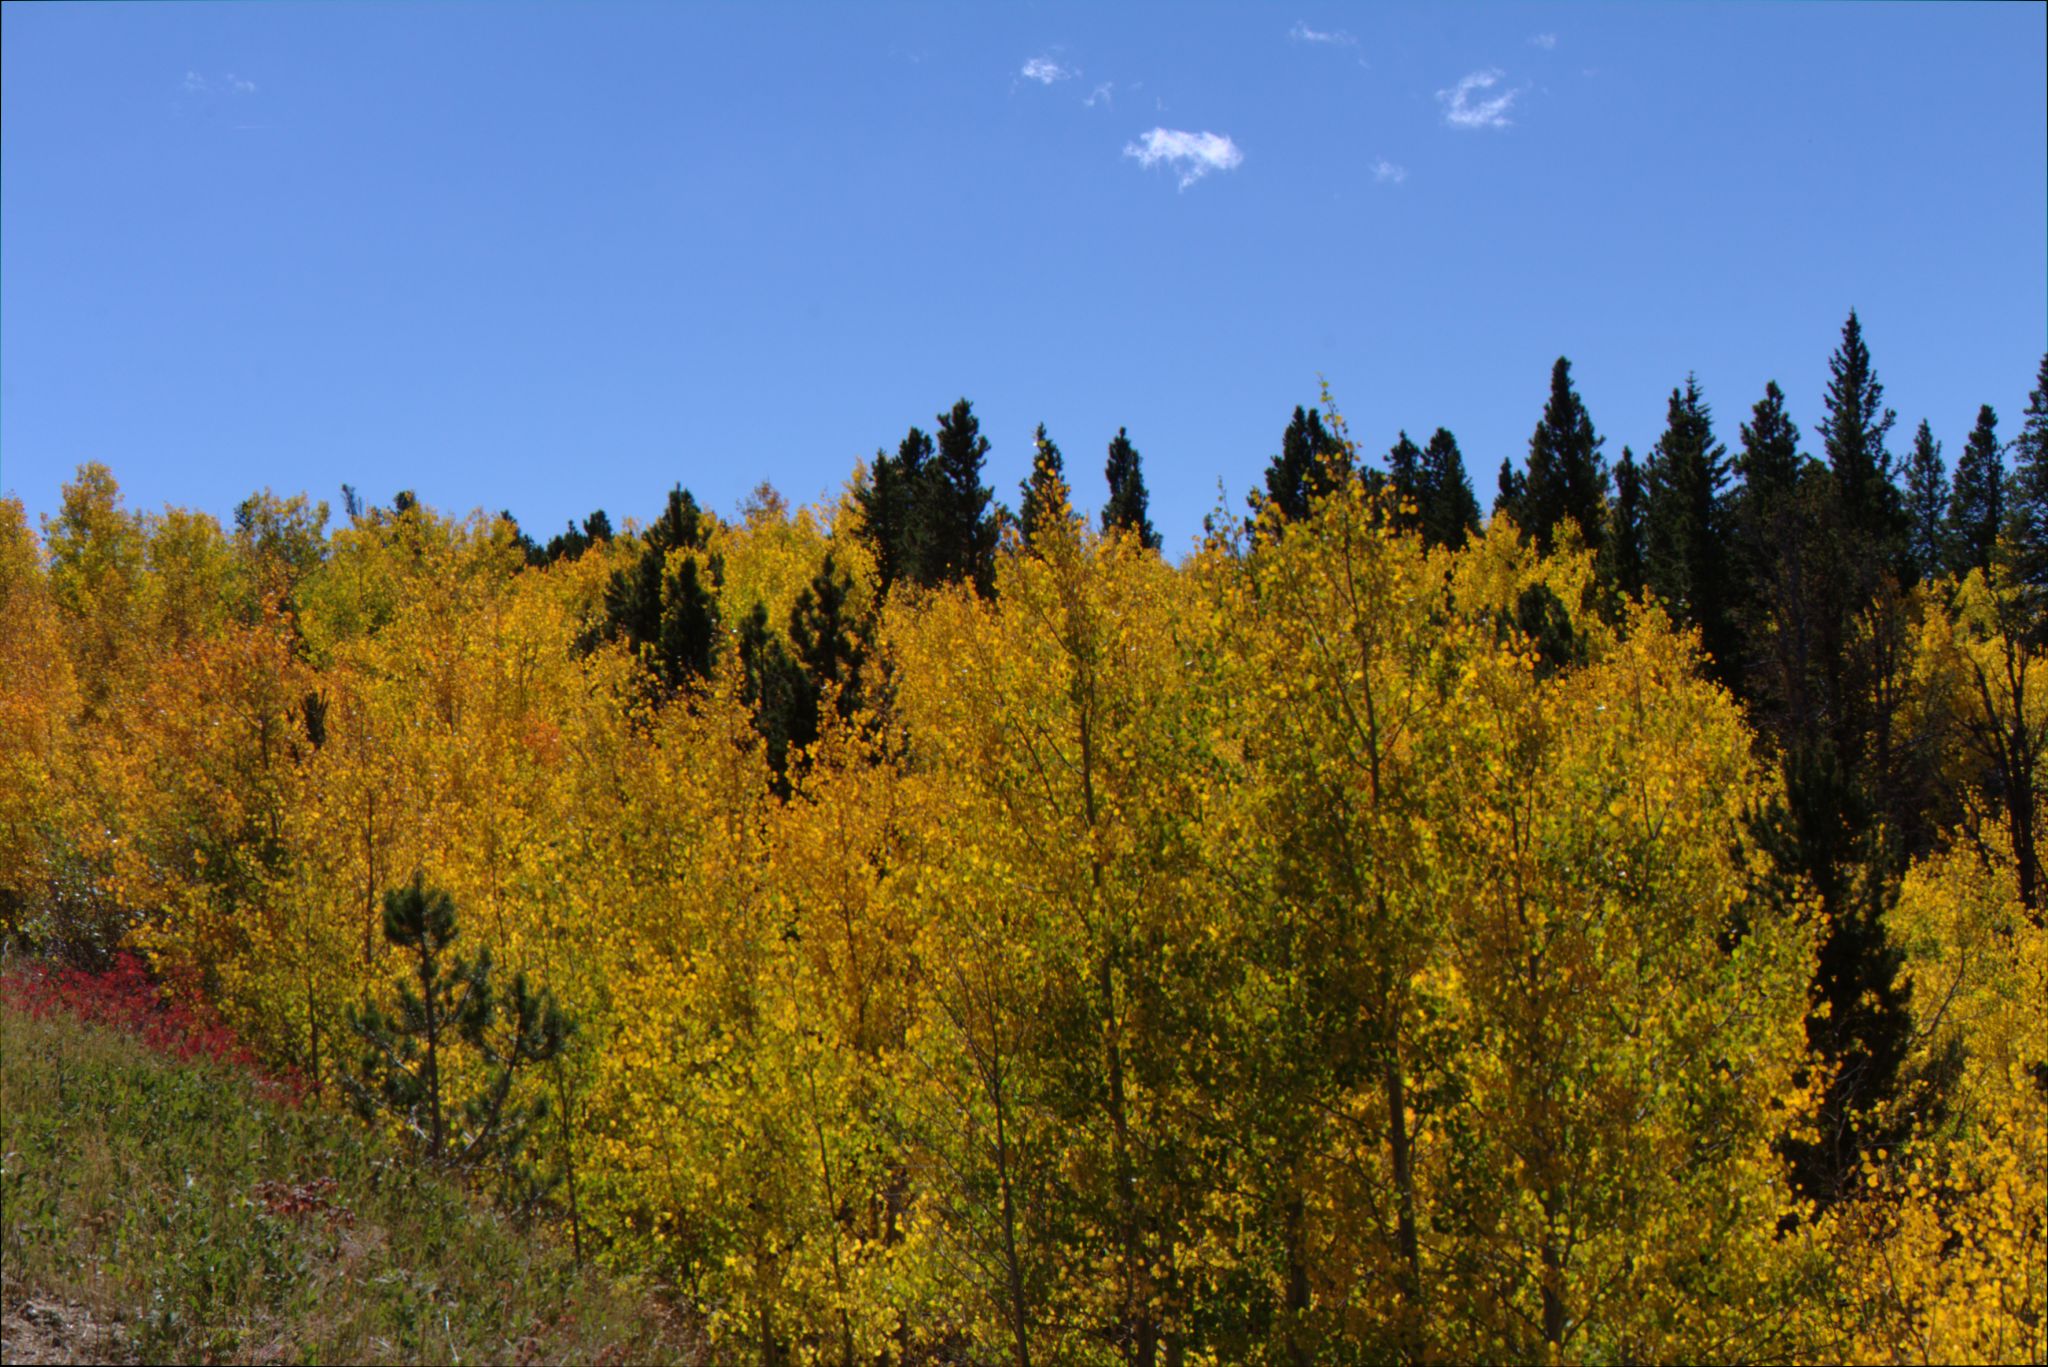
(892, 510)
(785, 707)
(830, 644)
(408, 1066)
(661, 605)
(1128, 502)
(1511, 495)
(572, 542)
(1686, 526)
(1626, 533)
(1309, 466)
(1927, 509)
(2027, 507)
(1566, 479)
(1853, 436)
(961, 524)
(1046, 490)
(1450, 512)
(1405, 481)
(1976, 510)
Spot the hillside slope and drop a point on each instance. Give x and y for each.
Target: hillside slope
(164, 1211)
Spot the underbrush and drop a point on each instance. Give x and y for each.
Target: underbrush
(197, 1212)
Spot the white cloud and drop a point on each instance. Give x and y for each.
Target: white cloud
(1302, 33)
(1546, 41)
(1045, 71)
(1102, 94)
(1388, 173)
(195, 84)
(1461, 110)
(1191, 155)
(240, 86)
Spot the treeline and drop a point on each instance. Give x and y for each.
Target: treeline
(1608, 929)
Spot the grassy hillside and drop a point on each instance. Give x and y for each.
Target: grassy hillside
(172, 1211)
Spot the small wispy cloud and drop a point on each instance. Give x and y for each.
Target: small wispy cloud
(1466, 104)
(1388, 173)
(1046, 71)
(1302, 33)
(1102, 94)
(230, 84)
(1546, 41)
(1190, 155)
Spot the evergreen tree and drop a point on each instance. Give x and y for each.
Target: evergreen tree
(1976, 510)
(1128, 506)
(1310, 464)
(661, 605)
(1927, 509)
(1686, 525)
(409, 1065)
(1046, 490)
(571, 543)
(1566, 479)
(1450, 512)
(830, 644)
(1512, 493)
(785, 704)
(1405, 481)
(1769, 463)
(787, 685)
(1853, 436)
(893, 507)
(961, 526)
(1627, 549)
(1824, 839)
(2027, 507)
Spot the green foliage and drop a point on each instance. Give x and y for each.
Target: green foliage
(1927, 506)
(1127, 508)
(1627, 532)
(1045, 493)
(1565, 478)
(1312, 462)
(445, 1061)
(1853, 436)
(1976, 510)
(2027, 514)
(927, 516)
(194, 1218)
(1686, 559)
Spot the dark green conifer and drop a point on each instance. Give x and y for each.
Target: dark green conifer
(1565, 480)
(1450, 512)
(1853, 438)
(960, 521)
(1128, 506)
(2027, 505)
(409, 1064)
(1406, 481)
(1976, 510)
(1311, 463)
(1511, 495)
(1686, 562)
(1927, 507)
(1627, 550)
(1046, 489)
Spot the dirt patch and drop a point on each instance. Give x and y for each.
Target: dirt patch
(39, 1331)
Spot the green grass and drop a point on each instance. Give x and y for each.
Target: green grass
(194, 1219)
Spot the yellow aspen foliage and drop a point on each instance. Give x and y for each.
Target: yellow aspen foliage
(1944, 1255)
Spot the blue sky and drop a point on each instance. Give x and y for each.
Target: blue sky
(555, 258)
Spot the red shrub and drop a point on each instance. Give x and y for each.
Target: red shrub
(127, 998)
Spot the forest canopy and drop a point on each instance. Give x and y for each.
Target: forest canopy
(1608, 928)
